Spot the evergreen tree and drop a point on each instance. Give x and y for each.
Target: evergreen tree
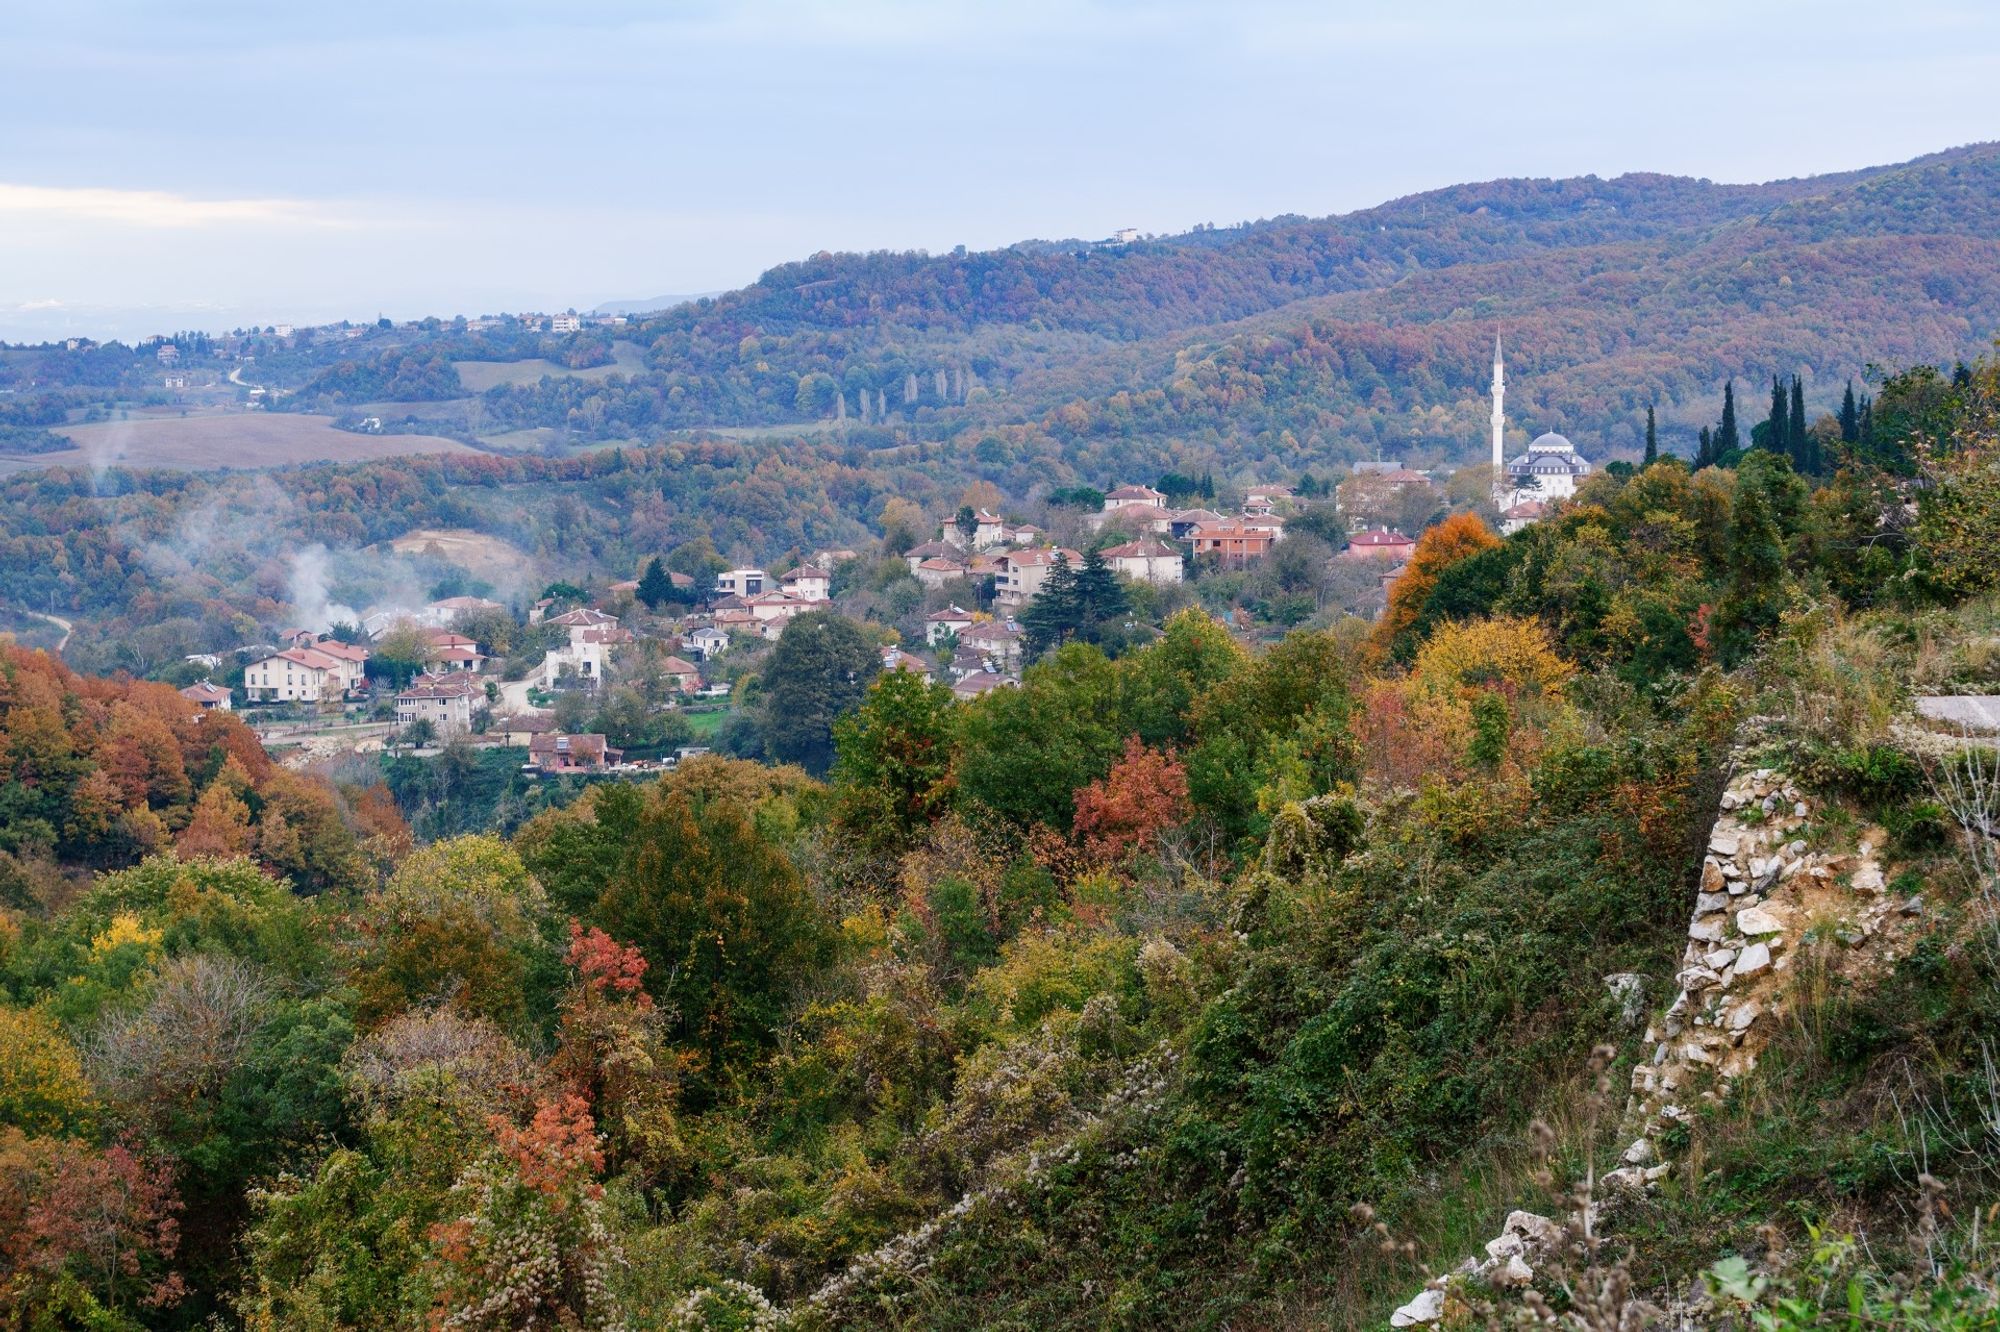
(1652, 438)
(1208, 485)
(655, 588)
(1051, 618)
(1728, 441)
(1799, 443)
(967, 522)
(1099, 594)
(1704, 454)
(1777, 431)
(1850, 417)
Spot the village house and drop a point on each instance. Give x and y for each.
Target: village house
(584, 658)
(556, 752)
(1525, 514)
(807, 583)
(580, 620)
(998, 640)
(1133, 517)
(1123, 495)
(1384, 544)
(1181, 522)
(1021, 574)
(1264, 500)
(988, 530)
(519, 730)
(772, 611)
(895, 659)
(932, 550)
(966, 661)
(706, 643)
(1147, 560)
(947, 623)
(353, 659)
(981, 682)
(207, 696)
(445, 701)
(685, 675)
(741, 582)
(296, 675)
(830, 559)
(451, 610)
(1233, 541)
(936, 572)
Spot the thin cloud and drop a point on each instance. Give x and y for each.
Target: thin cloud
(156, 209)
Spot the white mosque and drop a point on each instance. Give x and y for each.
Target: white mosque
(1549, 470)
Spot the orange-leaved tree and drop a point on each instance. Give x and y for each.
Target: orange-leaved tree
(1456, 538)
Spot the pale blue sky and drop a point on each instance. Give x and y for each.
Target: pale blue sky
(166, 165)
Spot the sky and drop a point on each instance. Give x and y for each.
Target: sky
(210, 165)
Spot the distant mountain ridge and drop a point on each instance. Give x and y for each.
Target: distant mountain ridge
(1300, 343)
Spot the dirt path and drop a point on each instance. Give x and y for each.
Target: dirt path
(59, 622)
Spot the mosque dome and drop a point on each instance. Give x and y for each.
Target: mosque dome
(1551, 443)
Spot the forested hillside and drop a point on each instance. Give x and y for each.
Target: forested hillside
(1135, 996)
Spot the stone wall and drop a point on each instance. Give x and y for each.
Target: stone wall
(1763, 890)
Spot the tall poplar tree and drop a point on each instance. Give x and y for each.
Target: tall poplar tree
(1652, 439)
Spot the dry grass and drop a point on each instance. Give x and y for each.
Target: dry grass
(234, 439)
(475, 552)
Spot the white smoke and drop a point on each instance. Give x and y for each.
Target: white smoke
(310, 594)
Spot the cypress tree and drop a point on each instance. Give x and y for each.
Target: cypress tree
(1652, 440)
(1704, 454)
(1801, 445)
(1778, 429)
(1727, 441)
(1850, 418)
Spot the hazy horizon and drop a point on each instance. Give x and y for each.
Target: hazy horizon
(228, 165)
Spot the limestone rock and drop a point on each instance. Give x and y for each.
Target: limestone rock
(1709, 929)
(1755, 958)
(1428, 1307)
(1770, 918)
(1704, 903)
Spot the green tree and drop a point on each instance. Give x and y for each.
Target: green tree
(1799, 443)
(656, 589)
(820, 669)
(1652, 439)
(1728, 441)
(724, 921)
(1028, 750)
(1051, 619)
(1099, 594)
(1850, 417)
(897, 752)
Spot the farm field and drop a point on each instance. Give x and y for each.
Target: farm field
(479, 376)
(234, 439)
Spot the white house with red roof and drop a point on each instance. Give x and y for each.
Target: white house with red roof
(895, 659)
(1123, 495)
(1147, 560)
(947, 623)
(445, 701)
(1022, 572)
(296, 675)
(808, 582)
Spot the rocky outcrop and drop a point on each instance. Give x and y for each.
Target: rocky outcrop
(1764, 889)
